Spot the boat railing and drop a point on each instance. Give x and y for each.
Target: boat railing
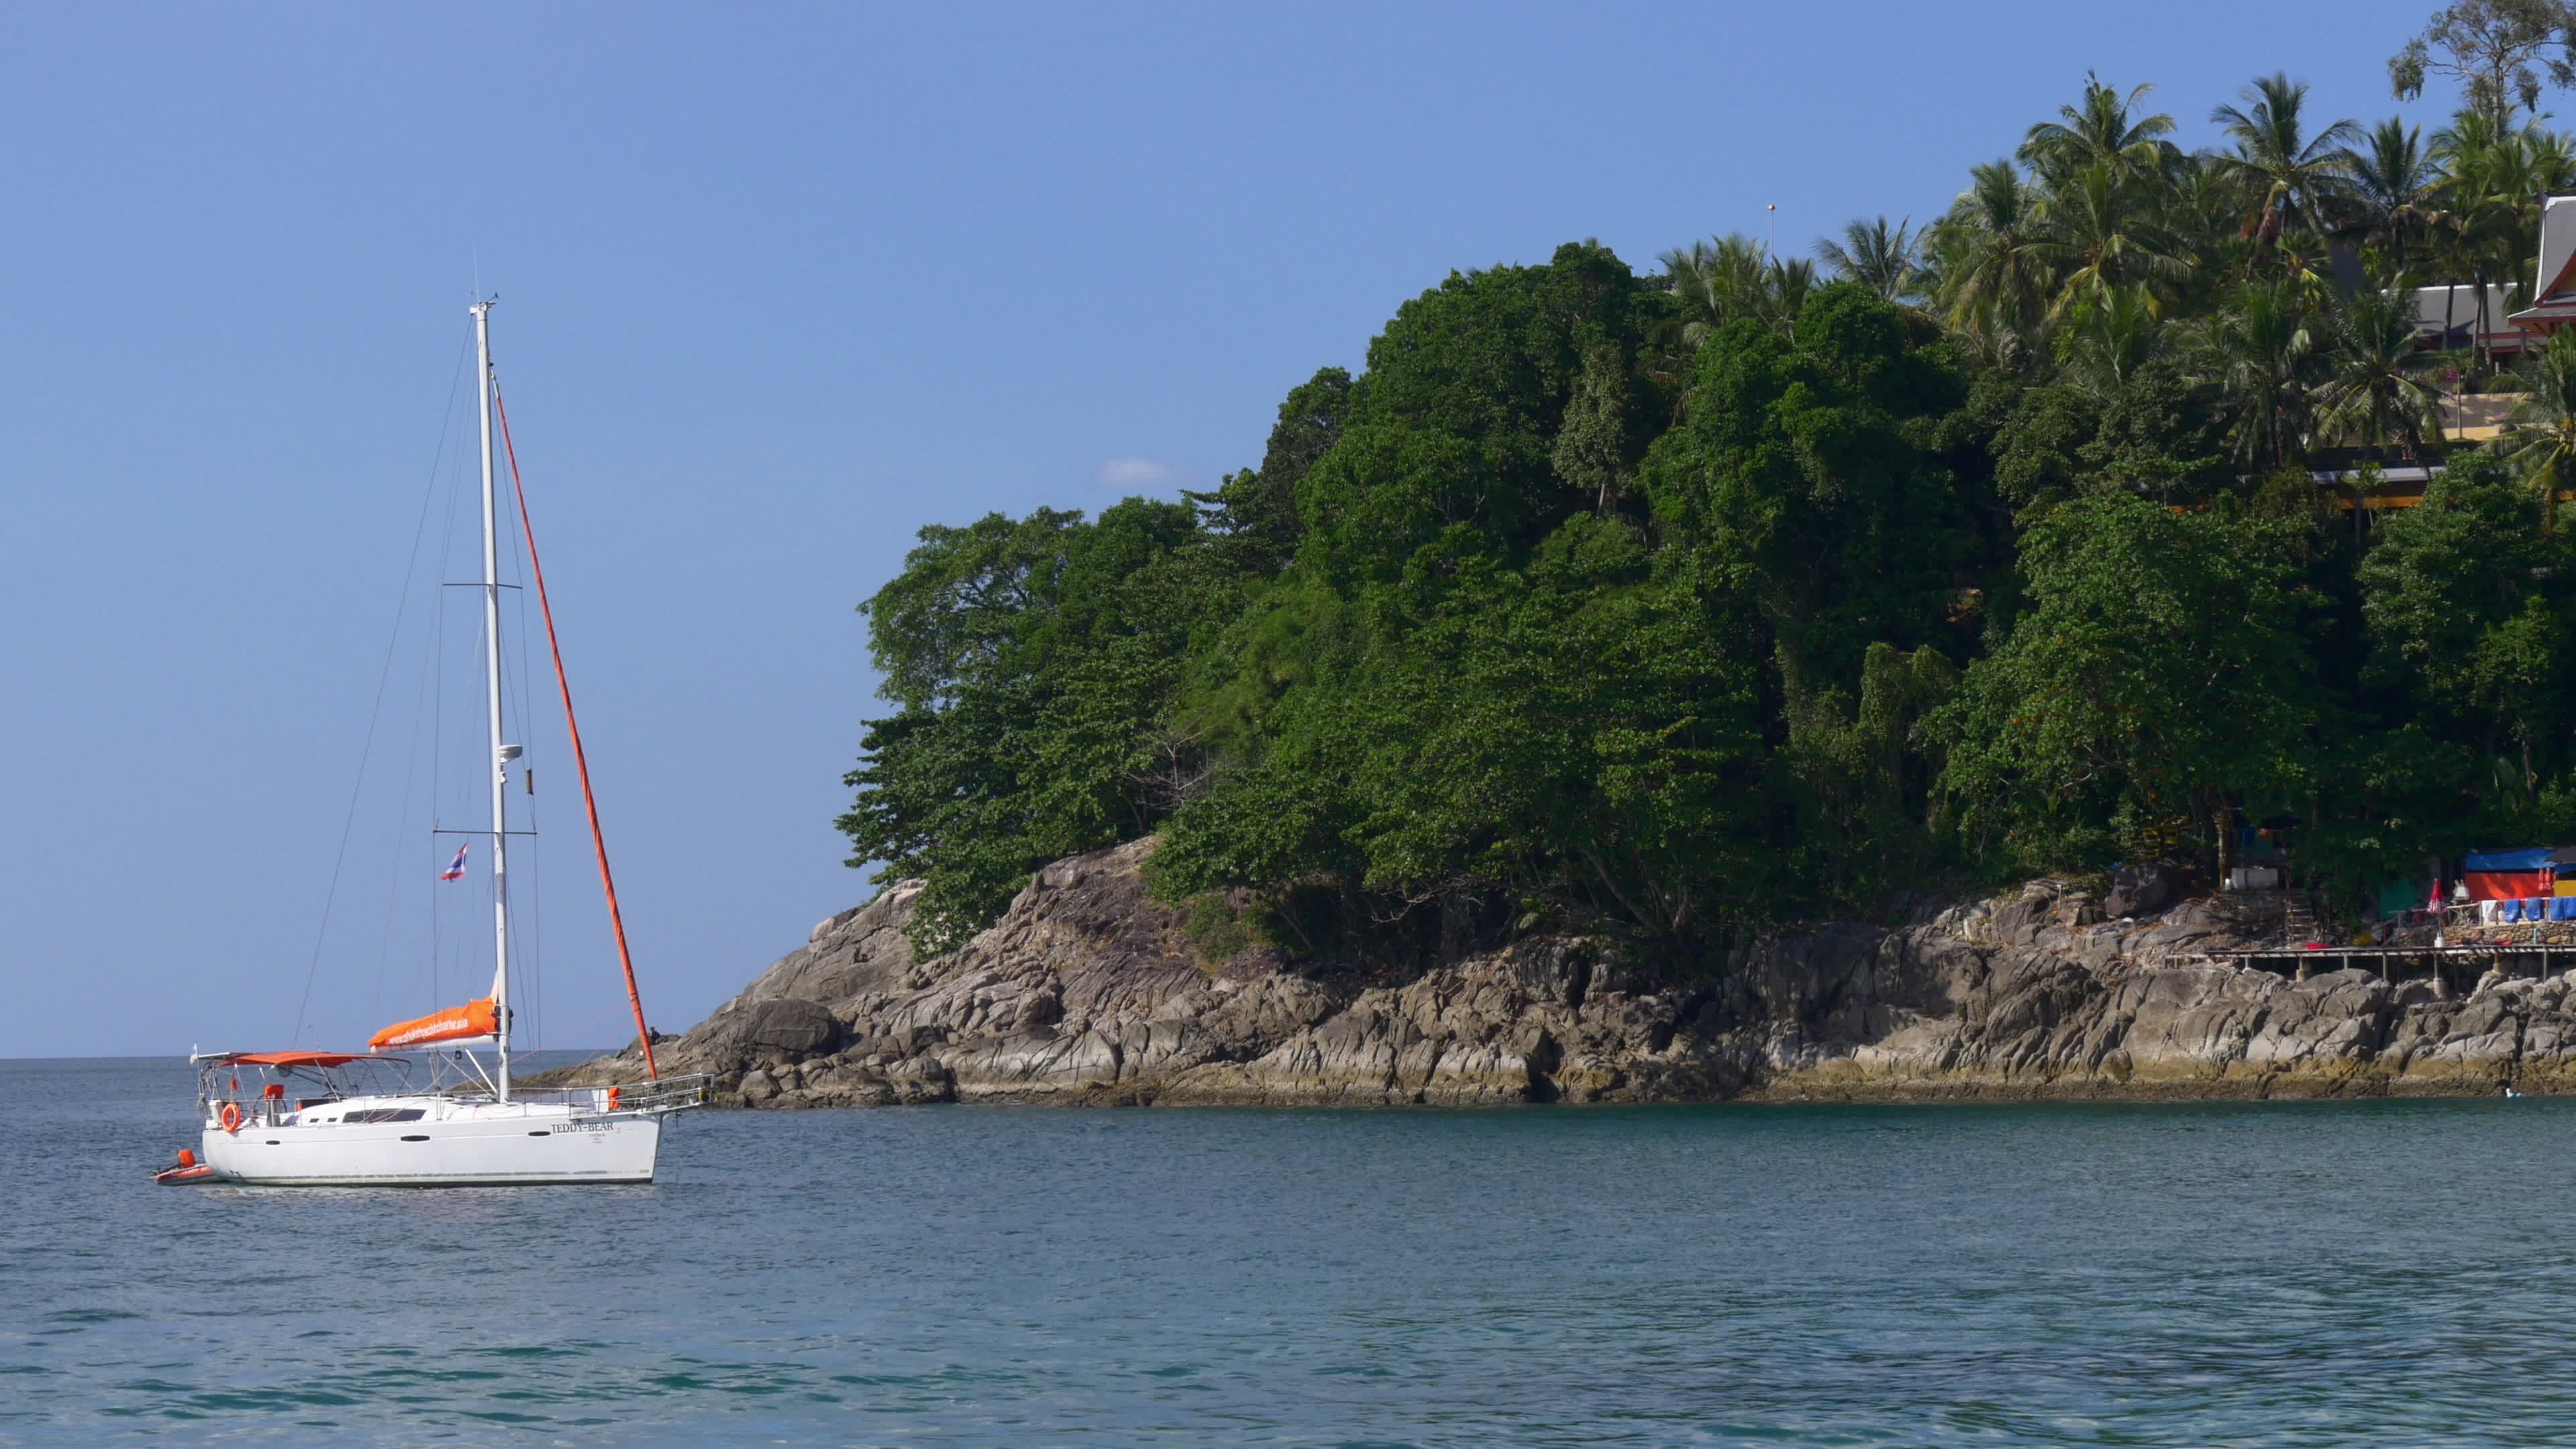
(663, 1094)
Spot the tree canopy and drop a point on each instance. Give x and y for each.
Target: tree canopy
(1667, 605)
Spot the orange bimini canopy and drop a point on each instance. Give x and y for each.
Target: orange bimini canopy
(281, 1059)
(456, 1023)
(294, 1059)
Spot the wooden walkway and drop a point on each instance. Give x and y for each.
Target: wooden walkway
(2450, 965)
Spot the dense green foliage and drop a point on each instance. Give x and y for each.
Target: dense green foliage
(1670, 604)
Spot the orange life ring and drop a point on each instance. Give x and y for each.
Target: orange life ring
(230, 1117)
(612, 1099)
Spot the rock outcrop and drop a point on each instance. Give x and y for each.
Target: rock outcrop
(1087, 991)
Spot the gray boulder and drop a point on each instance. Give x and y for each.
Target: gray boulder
(2140, 890)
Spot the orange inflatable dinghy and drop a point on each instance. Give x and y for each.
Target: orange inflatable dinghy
(186, 1170)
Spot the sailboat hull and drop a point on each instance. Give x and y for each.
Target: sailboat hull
(494, 1146)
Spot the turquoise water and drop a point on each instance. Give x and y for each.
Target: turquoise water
(2240, 1274)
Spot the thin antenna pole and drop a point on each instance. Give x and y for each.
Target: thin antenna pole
(572, 726)
(492, 708)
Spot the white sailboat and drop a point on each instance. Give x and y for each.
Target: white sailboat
(420, 1107)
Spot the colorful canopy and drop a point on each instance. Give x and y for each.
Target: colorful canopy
(2506, 875)
(456, 1023)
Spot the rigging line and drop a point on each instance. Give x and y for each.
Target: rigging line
(408, 800)
(572, 727)
(375, 709)
(438, 734)
(428, 700)
(530, 943)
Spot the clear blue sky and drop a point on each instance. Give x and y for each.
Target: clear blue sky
(779, 284)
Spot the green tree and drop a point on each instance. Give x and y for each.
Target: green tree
(2103, 130)
(1801, 479)
(2398, 795)
(2157, 669)
(1788, 282)
(2098, 243)
(1995, 283)
(2502, 52)
(2520, 681)
(2396, 196)
(1877, 256)
(2294, 177)
(2261, 354)
(2540, 439)
(1596, 446)
(1577, 736)
(2107, 337)
(2377, 389)
(2204, 205)
(1715, 282)
(2438, 576)
(1387, 492)
(1255, 510)
(1493, 360)
(1470, 690)
(1861, 784)
(2163, 433)
(1033, 663)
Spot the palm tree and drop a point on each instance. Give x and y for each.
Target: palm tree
(1716, 282)
(2540, 437)
(2378, 387)
(2553, 159)
(2293, 175)
(2107, 337)
(1786, 284)
(1992, 285)
(2095, 240)
(2396, 192)
(2203, 207)
(2261, 354)
(2471, 134)
(1733, 276)
(2100, 131)
(1876, 256)
(2494, 194)
(2511, 180)
(2305, 264)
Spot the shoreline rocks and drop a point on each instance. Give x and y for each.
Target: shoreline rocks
(1086, 992)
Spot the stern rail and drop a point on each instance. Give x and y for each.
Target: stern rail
(664, 1094)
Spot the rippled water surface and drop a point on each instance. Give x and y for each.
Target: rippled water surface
(2245, 1274)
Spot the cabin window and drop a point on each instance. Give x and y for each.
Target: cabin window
(385, 1114)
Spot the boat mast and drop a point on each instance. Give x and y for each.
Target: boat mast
(501, 754)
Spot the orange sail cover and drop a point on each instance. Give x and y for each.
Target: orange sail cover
(456, 1023)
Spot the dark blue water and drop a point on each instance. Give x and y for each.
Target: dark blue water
(2244, 1274)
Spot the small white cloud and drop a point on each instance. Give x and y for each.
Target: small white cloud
(1138, 475)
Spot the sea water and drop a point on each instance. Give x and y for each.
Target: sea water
(2329, 1273)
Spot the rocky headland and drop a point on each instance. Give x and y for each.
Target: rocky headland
(1088, 992)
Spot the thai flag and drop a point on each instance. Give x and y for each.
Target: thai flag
(456, 868)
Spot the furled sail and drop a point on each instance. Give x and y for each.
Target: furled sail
(456, 1023)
